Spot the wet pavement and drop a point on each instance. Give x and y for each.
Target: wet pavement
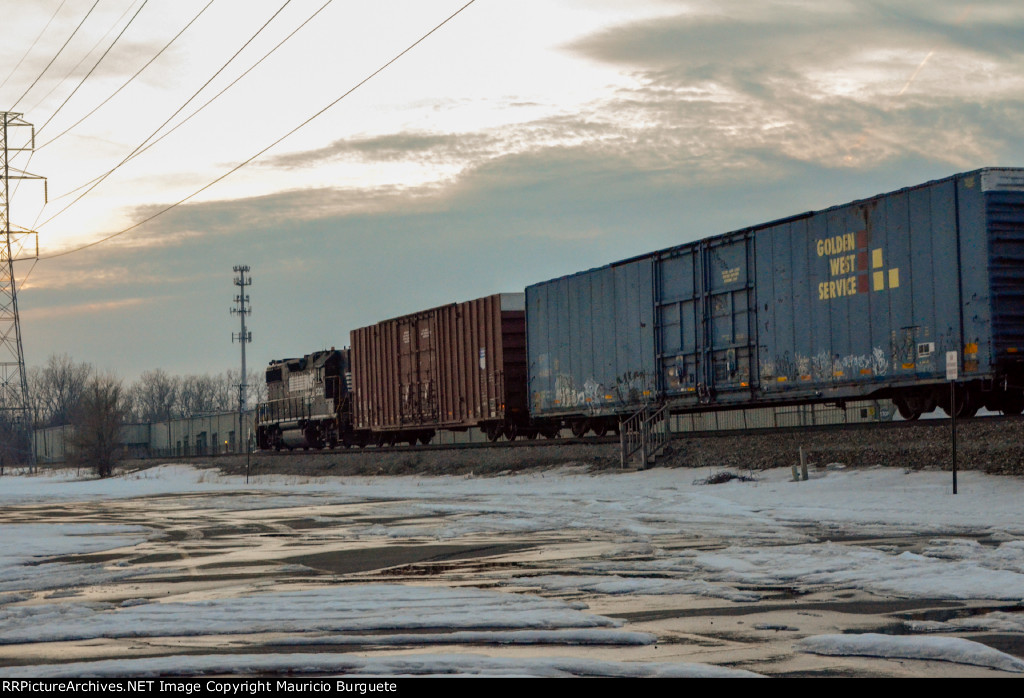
(203, 547)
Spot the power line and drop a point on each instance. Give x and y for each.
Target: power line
(82, 60)
(15, 68)
(141, 150)
(134, 152)
(276, 142)
(129, 80)
(87, 75)
(57, 54)
(95, 65)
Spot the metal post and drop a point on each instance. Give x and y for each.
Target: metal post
(644, 441)
(952, 374)
(243, 337)
(952, 410)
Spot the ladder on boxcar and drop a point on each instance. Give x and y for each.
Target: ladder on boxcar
(644, 435)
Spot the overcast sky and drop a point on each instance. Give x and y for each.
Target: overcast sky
(522, 141)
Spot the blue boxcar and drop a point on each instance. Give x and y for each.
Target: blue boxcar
(858, 300)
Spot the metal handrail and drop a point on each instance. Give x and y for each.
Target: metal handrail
(630, 435)
(658, 431)
(648, 435)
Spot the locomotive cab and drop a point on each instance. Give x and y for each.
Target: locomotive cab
(308, 402)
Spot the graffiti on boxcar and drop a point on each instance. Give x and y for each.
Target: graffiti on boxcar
(566, 394)
(780, 367)
(629, 388)
(824, 366)
(904, 346)
(633, 387)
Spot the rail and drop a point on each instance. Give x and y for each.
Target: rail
(292, 408)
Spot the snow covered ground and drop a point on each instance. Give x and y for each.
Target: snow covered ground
(867, 571)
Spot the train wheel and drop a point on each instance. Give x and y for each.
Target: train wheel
(426, 437)
(580, 427)
(551, 433)
(493, 432)
(531, 434)
(511, 431)
(967, 402)
(600, 428)
(906, 410)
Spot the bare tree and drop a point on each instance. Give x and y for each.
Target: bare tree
(56, 389)
(257, 393)
(96, 442)
(155, 396)
(198, 395)
(256, 390)
(15, 445)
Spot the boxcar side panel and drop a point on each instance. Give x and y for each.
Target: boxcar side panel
(453, 366)
(975, 342)
(591, 341)
(838, 303)
(863, 294)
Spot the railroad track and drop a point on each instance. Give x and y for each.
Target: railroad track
(921, 425)
(917, 432)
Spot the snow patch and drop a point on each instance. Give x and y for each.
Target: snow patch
(940, 649)
(405, 665)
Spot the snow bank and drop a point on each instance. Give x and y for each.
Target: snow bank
(939, 649)
(405, 665)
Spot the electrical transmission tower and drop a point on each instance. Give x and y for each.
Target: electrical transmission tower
(244, 337)
(15, 409)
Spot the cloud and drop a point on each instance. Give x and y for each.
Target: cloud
(708, 41)
(390, 147)
(841, 84)
(85, 309)
(728, 117)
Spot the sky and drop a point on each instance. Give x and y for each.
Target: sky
(517, 143)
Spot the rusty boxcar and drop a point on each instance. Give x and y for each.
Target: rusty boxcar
(454, 367)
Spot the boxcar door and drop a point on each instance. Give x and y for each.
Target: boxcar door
(728, 323)
(705, 311)
(417, 372)
(680, 307)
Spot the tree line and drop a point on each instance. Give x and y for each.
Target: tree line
(60, 389)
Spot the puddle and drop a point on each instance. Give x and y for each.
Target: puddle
(367, 559)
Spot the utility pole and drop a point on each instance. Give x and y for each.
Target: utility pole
(244, 337)
(15, 409)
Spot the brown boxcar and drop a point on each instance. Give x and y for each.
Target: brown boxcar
(454, 367)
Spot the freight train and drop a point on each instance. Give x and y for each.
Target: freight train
(865, 300)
